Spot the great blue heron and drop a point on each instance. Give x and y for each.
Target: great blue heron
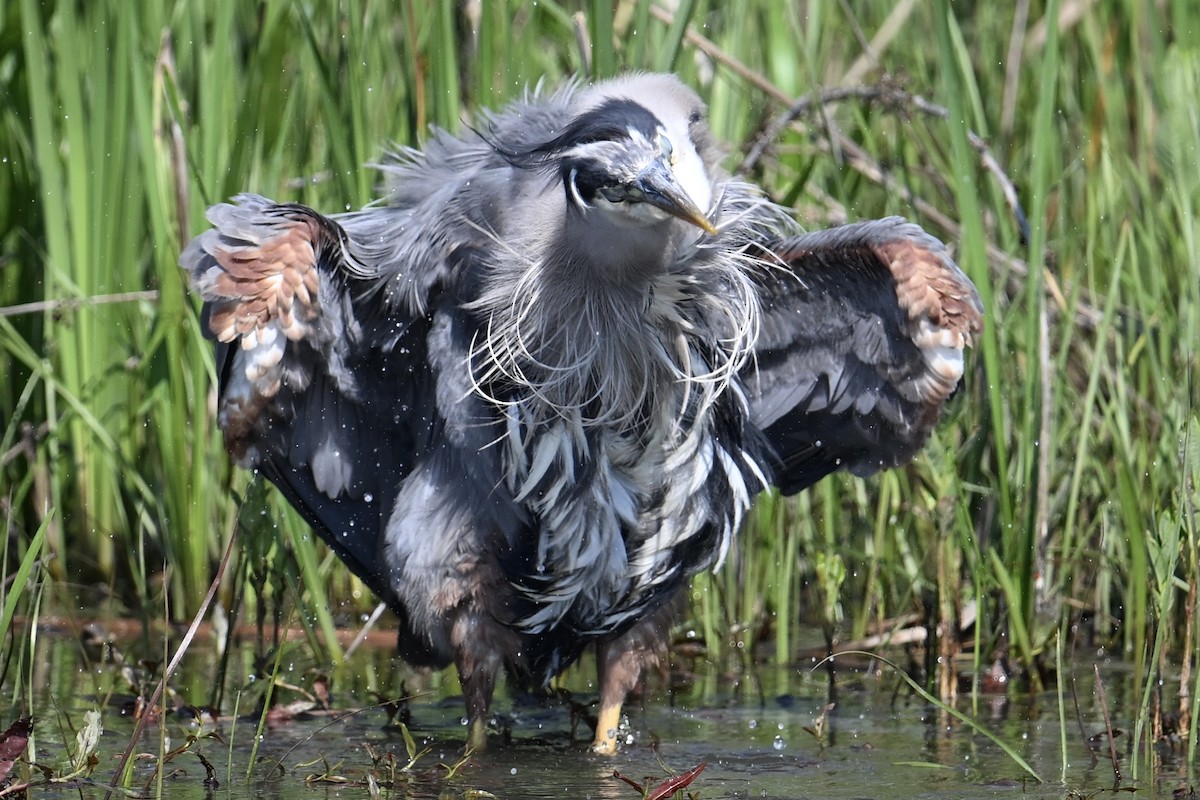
(537, 387)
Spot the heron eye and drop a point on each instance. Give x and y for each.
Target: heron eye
(612, 194)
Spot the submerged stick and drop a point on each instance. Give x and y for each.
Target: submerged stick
(1112, 745)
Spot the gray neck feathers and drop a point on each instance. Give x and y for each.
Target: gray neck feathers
(596, 322)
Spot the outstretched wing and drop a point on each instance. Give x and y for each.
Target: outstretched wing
(314, 391)
(861, 344)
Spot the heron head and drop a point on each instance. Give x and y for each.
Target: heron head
(619, 159)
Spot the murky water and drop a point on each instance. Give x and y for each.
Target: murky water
(758, 736)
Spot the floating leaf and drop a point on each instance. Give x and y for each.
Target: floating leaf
(668, 787)
(86, 741)
(675, 783)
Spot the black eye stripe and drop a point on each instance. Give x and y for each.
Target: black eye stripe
(609, 121)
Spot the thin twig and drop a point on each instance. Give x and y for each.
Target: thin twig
(30, 436)
(366, 630)
(1112, 744)
(802, 106)
(1083, 736)
(717, 53)
(899, 100)
(887, 32)
(72, 303)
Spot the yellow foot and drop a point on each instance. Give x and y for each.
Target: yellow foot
(477, 736)
(606, 730)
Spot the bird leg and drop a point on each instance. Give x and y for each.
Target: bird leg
(620, 662)
(478, 685)
(479, 663)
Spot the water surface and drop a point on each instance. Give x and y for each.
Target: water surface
(761, 736)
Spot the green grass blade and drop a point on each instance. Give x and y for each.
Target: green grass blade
(974, 725)
(14, 590)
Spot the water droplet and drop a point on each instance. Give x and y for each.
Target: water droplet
(779, 743)
(368, 497)
(512, 771)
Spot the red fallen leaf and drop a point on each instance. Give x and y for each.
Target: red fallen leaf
(676, 782)
(637, 786)
(12, 744)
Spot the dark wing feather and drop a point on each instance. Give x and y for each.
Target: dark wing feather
(861, 345)
(329, 404)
